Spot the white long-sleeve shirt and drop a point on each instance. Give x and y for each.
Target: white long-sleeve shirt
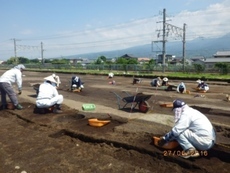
(193, 120)
(181, 85)
(46, 91)
(12, 76)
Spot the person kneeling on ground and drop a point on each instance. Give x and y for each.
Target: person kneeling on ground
(48, 95)
(156, 82)
(76, 83)
(181, 88)
(110, 75)
(202, 86)
(165, 81)
(10, 77)
(192, 130)
(136, 81)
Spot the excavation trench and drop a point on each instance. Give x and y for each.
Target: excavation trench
(121, 143)
(156, 155)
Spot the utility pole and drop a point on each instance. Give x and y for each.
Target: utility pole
(15, 50)
(42, 50)
(184, 41)
(163, 41)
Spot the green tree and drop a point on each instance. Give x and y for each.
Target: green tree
(34, 61)
(23, 60)
(199, 68)
(132, 61)
(121, 61)
(151, 62)
(99, 61)
(103, 58)
(12, 60)
(47, 61)
(223, 67)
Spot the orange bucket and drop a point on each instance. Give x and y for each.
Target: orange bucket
(97, 123)
(169, 145)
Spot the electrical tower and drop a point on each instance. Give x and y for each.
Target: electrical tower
(167, 28)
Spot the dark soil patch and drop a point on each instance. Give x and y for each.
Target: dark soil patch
(74, 138)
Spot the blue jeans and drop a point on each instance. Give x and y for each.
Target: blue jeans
(189, 139)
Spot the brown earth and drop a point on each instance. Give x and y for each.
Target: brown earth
(66, 143)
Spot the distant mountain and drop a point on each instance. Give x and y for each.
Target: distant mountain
(198, 47)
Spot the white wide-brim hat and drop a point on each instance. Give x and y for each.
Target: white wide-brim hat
(51, 79)
(165, 79)
(198, 81)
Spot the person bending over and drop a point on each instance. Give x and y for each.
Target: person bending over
(8, 78)
(156, 82)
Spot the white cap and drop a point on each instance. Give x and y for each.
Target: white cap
(51, 79)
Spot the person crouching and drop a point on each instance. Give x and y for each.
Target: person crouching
(181, 88)
(156, 82)
(202, 86)
(192, 130)
(48, 95)
(165, 81)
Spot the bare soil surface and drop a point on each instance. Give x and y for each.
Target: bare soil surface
(56, 143)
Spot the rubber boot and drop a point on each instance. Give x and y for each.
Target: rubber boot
(58, 106)
(57, 109)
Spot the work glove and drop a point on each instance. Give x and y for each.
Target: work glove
(161, 142)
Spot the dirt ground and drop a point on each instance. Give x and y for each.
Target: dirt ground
(65, 143)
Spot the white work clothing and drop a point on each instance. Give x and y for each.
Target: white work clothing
(110, 75)
(48, 96)
(189, 139)
(203, 86)
(12, 76)
(155, 82)
(192, 130)
(181, 87)
(57, 79)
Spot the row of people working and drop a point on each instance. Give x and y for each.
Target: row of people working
(181, 87)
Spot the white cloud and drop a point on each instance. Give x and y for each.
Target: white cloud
(210, 22)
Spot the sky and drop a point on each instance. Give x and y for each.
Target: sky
(59, 28)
